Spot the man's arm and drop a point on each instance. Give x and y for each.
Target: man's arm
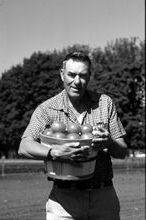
(112, 135)
(117, 148)
(32, 149)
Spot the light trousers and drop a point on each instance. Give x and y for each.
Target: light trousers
(95, 204)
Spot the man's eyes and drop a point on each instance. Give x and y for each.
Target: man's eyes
(73, 75)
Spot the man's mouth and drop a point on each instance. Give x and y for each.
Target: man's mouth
(75, 89)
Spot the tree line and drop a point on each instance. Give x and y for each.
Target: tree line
(117, 70)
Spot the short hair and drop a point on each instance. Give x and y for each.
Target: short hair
(78, 56)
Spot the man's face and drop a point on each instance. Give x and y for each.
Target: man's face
(75, 76)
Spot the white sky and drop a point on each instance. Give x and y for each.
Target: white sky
(28, 26)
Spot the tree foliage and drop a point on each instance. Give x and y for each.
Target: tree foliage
(118, 70)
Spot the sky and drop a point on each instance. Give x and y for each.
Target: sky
(28, 26)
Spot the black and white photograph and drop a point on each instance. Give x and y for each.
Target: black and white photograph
(72, 110)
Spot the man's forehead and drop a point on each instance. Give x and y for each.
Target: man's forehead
(75, 64)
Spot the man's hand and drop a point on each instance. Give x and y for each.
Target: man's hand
(101, 137)
(102, 140)
(71, 151)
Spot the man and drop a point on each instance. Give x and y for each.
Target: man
(94, 198)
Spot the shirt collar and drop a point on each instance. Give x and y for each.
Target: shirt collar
(93, 97)
(90, 98)
(61, 102)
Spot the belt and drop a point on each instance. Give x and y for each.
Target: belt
(82, 185)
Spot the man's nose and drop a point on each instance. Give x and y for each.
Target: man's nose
(77, 79)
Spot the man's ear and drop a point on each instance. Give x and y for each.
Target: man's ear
(62, 74)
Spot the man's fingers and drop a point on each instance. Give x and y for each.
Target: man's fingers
(73, 144)
(99, 134)
(99, 139)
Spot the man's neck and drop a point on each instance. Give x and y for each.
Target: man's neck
(77, 106)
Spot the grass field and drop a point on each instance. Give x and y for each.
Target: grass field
(23, 195)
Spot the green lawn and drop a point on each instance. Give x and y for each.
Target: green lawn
(23, 196)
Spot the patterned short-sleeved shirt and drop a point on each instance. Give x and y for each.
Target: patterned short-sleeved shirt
(99, 108)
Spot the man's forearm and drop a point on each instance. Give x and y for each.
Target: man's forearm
(118, 148)
(33, 150)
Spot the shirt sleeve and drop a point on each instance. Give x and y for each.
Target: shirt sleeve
(115, 126)
(37, 124)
